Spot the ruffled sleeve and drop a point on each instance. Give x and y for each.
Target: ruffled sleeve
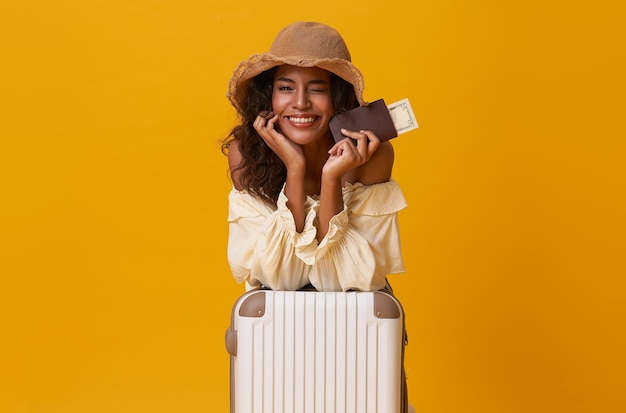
(263, 245)
(362, 245)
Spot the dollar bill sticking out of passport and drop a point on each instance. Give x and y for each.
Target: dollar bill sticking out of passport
(402, 116)
(386, 121)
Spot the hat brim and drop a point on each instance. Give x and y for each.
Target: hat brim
(240, 81)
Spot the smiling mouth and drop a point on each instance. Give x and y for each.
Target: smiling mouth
(302, 120)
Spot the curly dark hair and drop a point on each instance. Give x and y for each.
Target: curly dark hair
(262, 172)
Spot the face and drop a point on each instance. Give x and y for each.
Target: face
(302, 100)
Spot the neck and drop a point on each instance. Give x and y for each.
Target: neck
(316, 155)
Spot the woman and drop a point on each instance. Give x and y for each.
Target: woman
(304, 209)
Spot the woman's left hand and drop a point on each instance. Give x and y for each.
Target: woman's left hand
(348, 154)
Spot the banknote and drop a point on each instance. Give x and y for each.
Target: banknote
(402, 116)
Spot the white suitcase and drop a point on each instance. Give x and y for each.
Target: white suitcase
(317, 352)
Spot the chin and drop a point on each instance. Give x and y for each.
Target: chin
(302, 137)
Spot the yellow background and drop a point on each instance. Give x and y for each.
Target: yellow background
(115, 288)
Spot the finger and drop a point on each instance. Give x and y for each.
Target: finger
(361, 145)
(352, 134)
(360, 137)
(348, 150)
(359, 141)
(340, 145)
(263, 125)
(266, 114)
(271, 122)
(373, 142)
(259, 123)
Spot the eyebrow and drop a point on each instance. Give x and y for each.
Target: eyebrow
(310, 82)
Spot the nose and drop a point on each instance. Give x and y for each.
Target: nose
(301, 99)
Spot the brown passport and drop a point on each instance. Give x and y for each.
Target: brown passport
(374, 117)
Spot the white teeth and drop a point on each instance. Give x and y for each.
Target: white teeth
(302, 120)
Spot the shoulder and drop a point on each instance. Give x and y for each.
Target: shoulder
(378, 169)
(234, 156)
(235, 160)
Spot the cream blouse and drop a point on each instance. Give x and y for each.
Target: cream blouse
(361, 247)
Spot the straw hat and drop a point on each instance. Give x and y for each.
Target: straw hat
(304, 44)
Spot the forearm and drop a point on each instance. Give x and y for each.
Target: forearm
(296, 197)
(331, 203)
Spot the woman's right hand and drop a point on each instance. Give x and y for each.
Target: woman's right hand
(288, 151)
(292, 156)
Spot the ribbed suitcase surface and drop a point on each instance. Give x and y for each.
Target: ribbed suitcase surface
(314, 352)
